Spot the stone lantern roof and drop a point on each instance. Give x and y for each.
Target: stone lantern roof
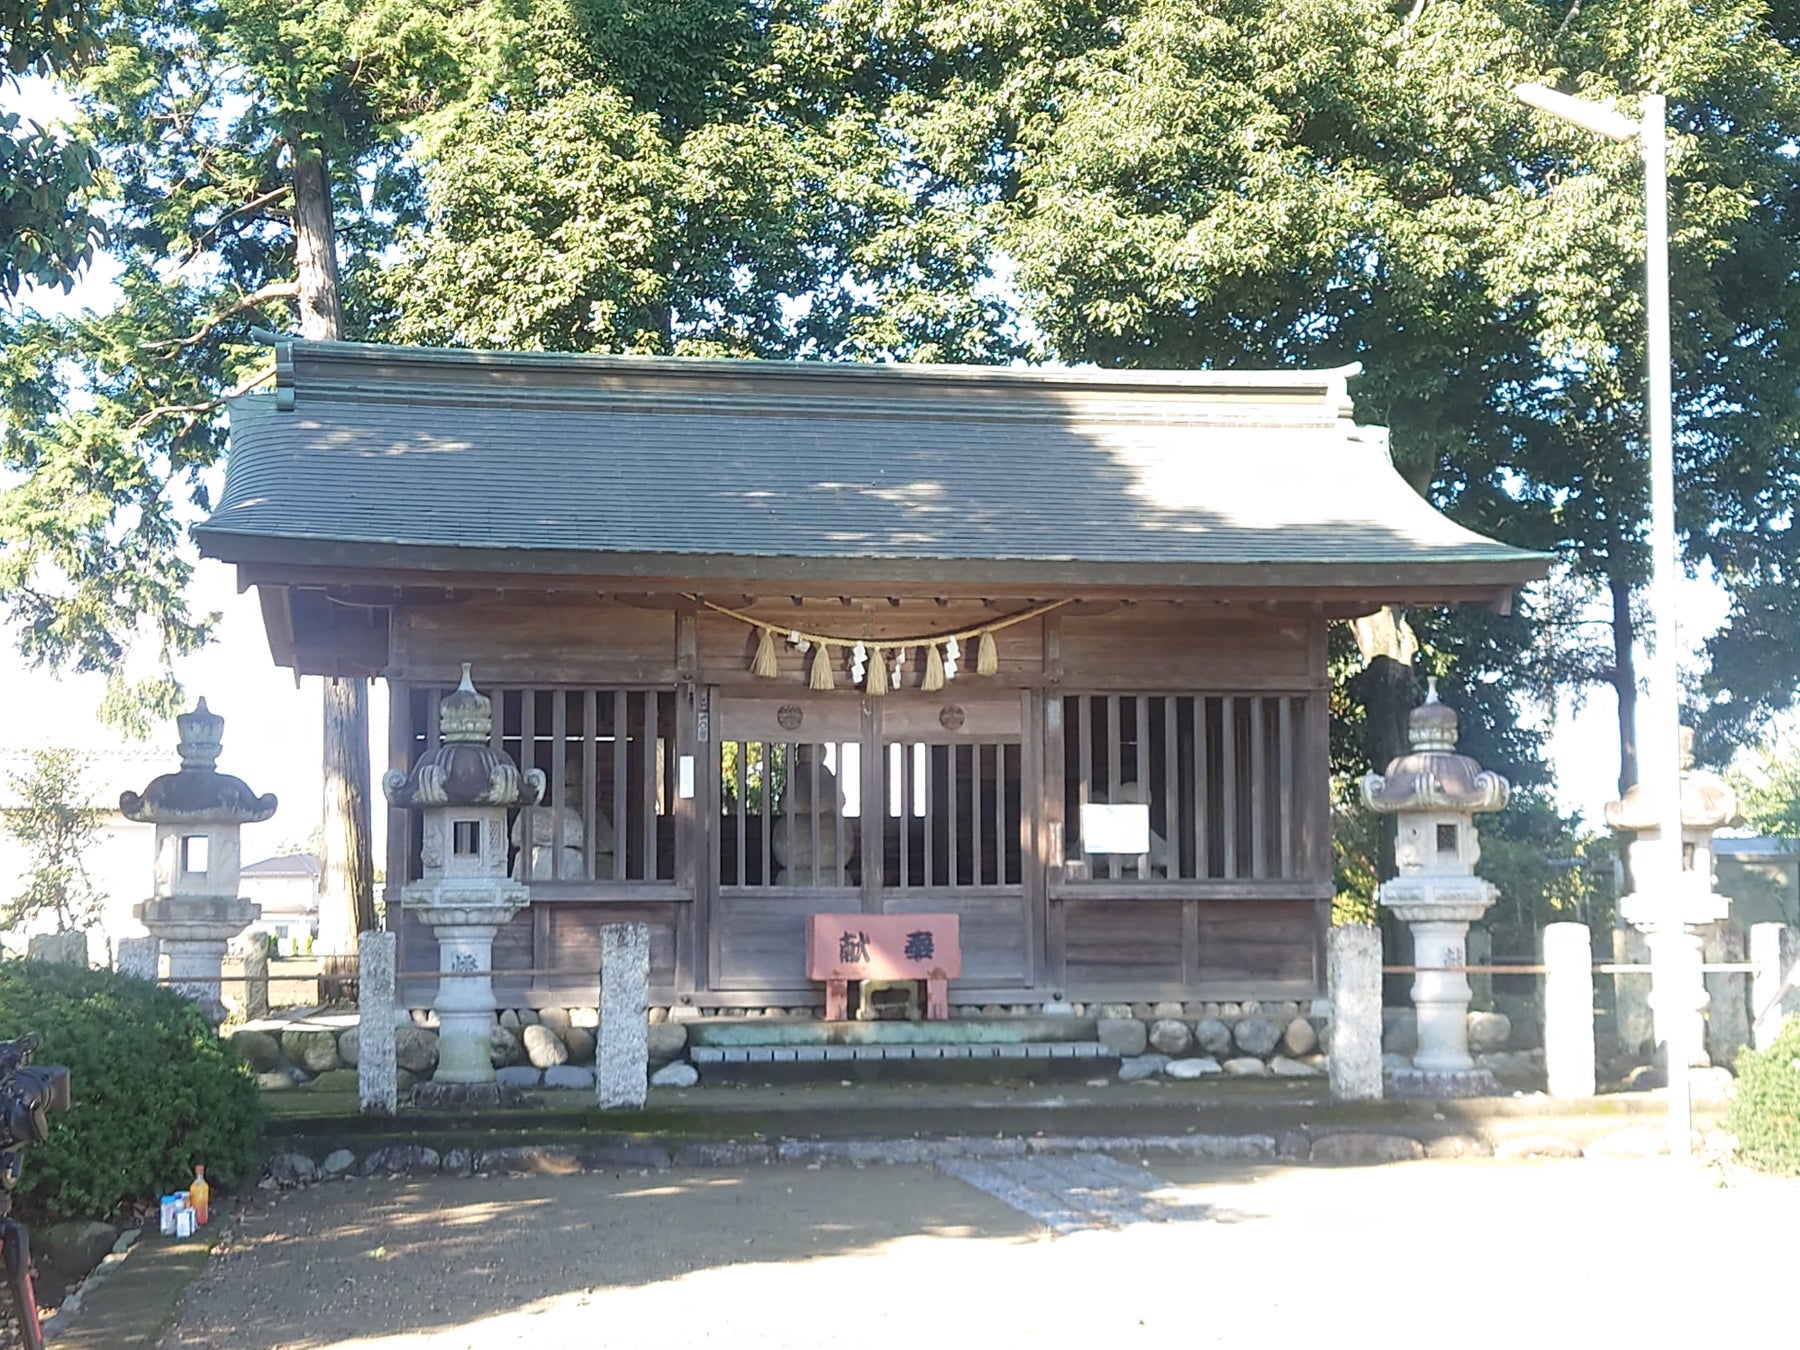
(198, 794)
(1707, 802)
(464, 769)
(1434, 777)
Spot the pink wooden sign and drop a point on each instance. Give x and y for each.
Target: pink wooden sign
(883, 947)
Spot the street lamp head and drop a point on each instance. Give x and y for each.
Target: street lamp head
(1584, 113)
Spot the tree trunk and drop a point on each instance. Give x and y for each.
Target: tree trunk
(1624, 680)
(315, 246)
(347, 896)
(347, 906)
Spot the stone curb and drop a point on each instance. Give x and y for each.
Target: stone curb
(1324, 1148)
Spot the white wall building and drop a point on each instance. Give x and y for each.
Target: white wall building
(287, 888)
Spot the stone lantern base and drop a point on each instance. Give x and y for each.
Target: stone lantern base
(193, 931)
(1439, 910)
(464, 921)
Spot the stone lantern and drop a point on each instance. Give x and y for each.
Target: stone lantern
(1707, 805)
(463, 790)
(1434, 794)
(195, 909)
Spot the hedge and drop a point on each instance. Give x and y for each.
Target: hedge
(1765, 1114)
(153, 1091)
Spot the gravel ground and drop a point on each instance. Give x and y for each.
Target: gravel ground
(1475, 1253)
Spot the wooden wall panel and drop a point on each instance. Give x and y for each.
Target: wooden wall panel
(534, 643)
(1259, 940)
(1187, 649)
(759, 941)
(572, 942)
(995, 934)
(1122, 942)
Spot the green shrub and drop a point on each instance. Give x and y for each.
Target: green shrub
(153, 1090)
(1765, 1115)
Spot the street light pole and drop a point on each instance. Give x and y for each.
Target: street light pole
(1659, 730)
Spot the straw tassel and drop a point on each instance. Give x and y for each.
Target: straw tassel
(987, 656)
(877, 683)
(822, 677)
(934, 671)
(763, 665)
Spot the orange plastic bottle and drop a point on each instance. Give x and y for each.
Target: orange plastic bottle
(199, 1195)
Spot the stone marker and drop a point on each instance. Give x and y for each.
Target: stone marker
(1569, 1009)
(376, 1067)
(1353, 966)
(61, 949)
(1727, 994)
(1631, 992)
(256, 984)
(138, 957)
(624, 1049)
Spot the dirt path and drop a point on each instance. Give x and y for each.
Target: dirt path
(1481, 1253)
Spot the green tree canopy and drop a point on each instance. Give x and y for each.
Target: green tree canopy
(53, 817)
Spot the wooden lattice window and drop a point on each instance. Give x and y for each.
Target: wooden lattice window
(789, 814)
(608, 813)
(1202, 787)
(952, 813)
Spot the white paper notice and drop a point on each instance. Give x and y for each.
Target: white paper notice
(684, 777)
(1115, 829)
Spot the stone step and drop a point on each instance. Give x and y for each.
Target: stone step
(738, 1032)
(705, 1055)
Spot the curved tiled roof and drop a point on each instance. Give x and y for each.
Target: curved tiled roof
(555, 462)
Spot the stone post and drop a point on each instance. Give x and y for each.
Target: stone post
(139, 958)
(62, 949)
(1434, 795)
(623, 1066)
(1353, 972)
(1631, 993)
(1569, 1009)
(376, 1070)
(1775, 987)
(256, 983)
(1727, 994)
(463, 789)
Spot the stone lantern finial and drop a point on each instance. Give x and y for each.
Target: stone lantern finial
(466, 716)
(201, 735)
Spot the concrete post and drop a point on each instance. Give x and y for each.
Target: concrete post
(139, 957)
(1775, 987)
(1569, 1009)
(1353, 969)
(376, 1070)
(623, 1064)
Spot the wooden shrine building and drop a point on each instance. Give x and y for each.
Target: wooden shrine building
(675, 579)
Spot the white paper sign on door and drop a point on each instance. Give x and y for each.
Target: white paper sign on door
(1124, 828)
